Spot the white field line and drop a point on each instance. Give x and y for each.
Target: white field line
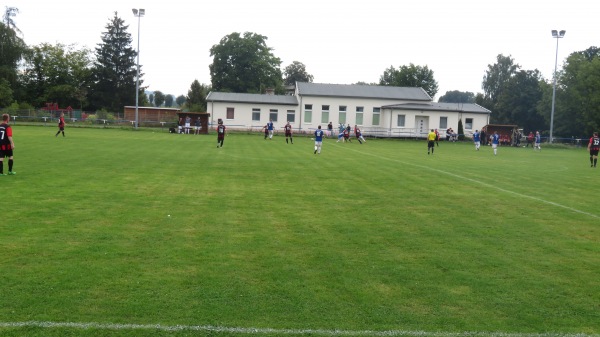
(478, 182)
(279, 332)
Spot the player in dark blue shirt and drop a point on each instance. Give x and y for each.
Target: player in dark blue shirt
(318, 140)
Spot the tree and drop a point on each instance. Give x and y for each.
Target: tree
(159, 98)
(9, 13)
(496, 77)
(57, 73)
(169, 100)
(296, 72)
(244, 64)
(410, 76)
(518, 102)
(456, 96)
(196, 97)
(6, 93)
(577, 108)
(180, 100)
(151, 99)
(115, 69)
(461, 130)
(12, 50)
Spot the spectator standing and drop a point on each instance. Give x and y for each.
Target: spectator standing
(188, 123)
(198, 125)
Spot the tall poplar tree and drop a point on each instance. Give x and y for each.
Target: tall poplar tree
(115, 69)
(12, 50)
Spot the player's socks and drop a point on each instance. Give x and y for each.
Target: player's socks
(595, 161)
(10, 165)
(1, 168)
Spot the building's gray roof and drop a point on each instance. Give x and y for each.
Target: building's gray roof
(251, 98)
(437, 106)
(362, 91)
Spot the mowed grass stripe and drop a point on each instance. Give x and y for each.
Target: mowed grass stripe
(267, 234)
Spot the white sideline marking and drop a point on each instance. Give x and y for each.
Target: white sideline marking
(254, 331)
(483, 184)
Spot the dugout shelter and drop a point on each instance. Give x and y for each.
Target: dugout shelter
(508, 133)
(194, 116)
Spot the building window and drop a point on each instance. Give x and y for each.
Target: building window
(342, 115)
(443, 123)
(468, 123)
(359, 115)
(273, 115)
(307, 113)
(255, 115)
(291, 116)
(325, 114)
(376, 115)
(230, 113)
(401, 120)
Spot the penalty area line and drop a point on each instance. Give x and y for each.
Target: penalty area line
(270, 331)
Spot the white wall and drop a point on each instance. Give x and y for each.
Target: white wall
(387, 127)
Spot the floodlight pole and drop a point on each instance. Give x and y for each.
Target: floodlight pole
(138, 13)
(557, 35)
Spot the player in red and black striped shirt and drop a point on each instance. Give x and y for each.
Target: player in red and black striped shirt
(6, 145)
(594, 148)
(61, 124)
(288, 132)
(220, 133)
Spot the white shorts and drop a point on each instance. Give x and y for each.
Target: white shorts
(187, 125)
(494, 146)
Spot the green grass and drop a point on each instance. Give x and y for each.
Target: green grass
(267, 235)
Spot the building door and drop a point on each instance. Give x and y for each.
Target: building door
(421, 126)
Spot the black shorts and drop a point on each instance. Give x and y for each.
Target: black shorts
(594, 152)
(6, 153)
(431, 143)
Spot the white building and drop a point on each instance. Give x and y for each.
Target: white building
(381, 111)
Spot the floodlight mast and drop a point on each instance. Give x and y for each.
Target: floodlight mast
(138, 13)
(557, 35)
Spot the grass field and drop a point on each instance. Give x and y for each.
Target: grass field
(136, 233)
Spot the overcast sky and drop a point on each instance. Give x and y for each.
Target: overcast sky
(340, 42)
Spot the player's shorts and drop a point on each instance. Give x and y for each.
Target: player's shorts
(318, 143)
(288, 134)
(494, 146)
(61, 128)
(594, 152)
(6, 153)
(431, 143)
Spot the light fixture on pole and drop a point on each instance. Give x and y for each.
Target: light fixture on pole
(139, 13)
(557, 35)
